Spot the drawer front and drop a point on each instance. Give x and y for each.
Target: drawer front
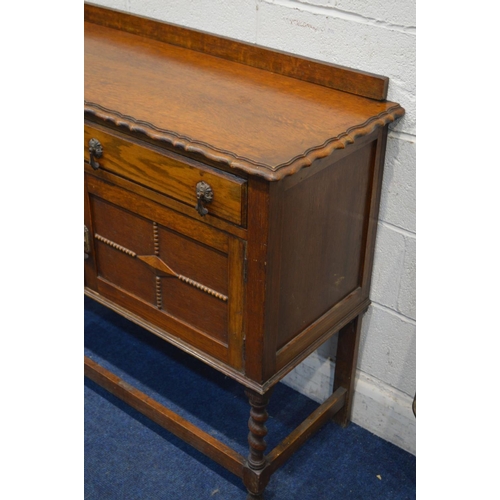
(179, 274)
(170, 174)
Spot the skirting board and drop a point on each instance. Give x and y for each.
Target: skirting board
(377, 407)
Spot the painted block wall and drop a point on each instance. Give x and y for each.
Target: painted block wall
(376, 36)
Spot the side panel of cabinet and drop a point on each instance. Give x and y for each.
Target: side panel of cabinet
(310, 240)
(328, 225)
(178, 274)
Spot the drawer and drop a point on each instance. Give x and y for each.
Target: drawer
(178, 274)
(170, 174)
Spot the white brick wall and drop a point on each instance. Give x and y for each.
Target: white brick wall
(376, 36)
(234, 18)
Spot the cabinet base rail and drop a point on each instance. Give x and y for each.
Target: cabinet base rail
(254, 480)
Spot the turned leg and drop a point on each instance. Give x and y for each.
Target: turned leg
(256, 475)
(345, 366)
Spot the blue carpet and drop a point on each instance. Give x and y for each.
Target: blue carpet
(128, 457)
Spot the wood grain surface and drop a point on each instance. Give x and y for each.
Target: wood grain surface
(249, 119)
(329, 75)
(174, 177)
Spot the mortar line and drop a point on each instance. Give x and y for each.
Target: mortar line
(403, 136)
(394, 313)
(399, 230)
(341, 14)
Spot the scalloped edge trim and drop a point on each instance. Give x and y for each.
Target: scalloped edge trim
(234, 161)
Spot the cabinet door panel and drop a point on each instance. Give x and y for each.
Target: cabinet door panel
(176, 279)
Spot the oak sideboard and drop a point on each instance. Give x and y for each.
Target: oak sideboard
(231, 203)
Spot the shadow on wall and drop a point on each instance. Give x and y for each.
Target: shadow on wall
(385, 385)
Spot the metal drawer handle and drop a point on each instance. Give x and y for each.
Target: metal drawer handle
(95, 151)
(204, 194)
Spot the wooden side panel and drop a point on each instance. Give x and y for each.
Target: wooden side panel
(324, 236)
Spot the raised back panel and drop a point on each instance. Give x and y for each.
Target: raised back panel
(322, 73)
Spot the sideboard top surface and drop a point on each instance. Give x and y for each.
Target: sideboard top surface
(243, 117)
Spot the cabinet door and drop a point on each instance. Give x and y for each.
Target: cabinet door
(176, 273)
